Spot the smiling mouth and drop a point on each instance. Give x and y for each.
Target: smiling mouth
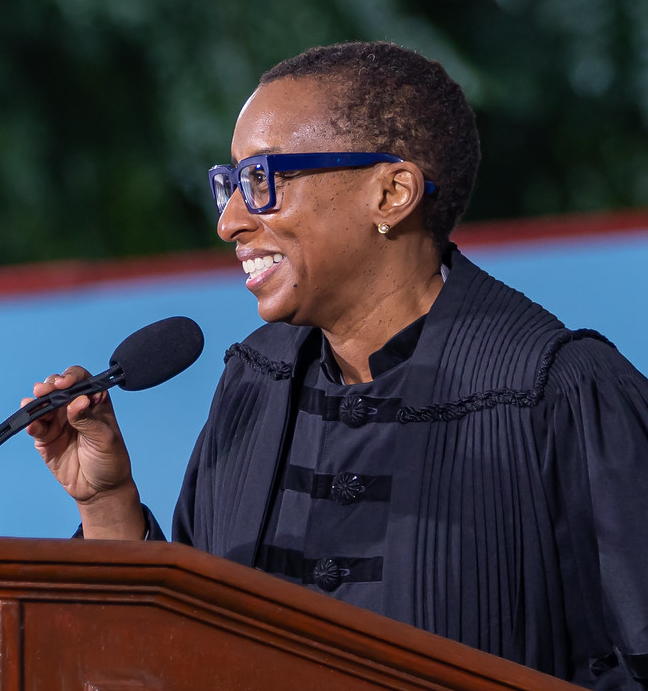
(255, 267)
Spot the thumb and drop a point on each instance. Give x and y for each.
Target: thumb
(80, 416)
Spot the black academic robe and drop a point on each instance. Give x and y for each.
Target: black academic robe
(518, 508)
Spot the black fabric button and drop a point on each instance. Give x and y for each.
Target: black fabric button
(346, 488)
(326, 574)
(353, 411)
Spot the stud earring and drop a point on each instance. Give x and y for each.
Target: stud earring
(384, 228)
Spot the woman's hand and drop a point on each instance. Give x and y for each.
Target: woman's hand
(84, 449)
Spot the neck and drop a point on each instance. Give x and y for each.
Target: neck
(353, 340)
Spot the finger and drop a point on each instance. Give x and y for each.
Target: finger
(46, 418)
(83, 421)
(98, 398)
(46, 426)
(34, 428)
(43, 388)
(38, 429)
(95, 400)
(75, 373)
(77, 410)
(82, 418)
(97, 426)
(69, 377)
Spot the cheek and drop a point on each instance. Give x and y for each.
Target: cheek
(320, 227)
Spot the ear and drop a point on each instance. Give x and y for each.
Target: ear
(402, 187)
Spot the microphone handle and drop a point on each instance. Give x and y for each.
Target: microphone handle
(58, 398)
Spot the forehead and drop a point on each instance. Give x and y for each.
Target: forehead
(285, 116)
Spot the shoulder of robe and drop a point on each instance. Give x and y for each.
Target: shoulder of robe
(510, 348)
(533, 372)
(271, 350)
(588, 360)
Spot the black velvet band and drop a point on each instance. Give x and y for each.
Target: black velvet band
(321, 486)
(292, 563)
(345, 408)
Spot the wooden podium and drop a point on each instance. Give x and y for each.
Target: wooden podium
(127, 616)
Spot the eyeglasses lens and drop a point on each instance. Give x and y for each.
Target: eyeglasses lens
(223, 190)
(254, 182)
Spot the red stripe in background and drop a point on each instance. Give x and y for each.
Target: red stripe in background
(45, 277)
(565, 227)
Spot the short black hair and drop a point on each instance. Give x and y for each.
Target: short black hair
(391, 99)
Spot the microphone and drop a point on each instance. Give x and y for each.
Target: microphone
(148, 357)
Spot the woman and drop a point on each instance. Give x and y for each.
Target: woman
(407, 434)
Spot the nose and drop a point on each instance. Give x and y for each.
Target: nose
(235, 219)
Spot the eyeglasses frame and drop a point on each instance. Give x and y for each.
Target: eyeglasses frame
(282, 163)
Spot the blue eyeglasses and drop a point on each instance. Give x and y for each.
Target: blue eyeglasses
(255, 176)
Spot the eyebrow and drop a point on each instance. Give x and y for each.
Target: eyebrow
(260, 152)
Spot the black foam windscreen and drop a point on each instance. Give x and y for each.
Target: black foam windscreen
(158, 352)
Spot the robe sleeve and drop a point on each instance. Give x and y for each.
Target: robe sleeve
(184, 515)
(153, 530)
(600, 423)
(192, 504)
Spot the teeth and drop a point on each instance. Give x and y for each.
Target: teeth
(258, 265)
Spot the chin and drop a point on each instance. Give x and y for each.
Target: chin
(275, 313)
(272, 313)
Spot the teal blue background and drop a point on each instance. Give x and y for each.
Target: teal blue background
(598, 283)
